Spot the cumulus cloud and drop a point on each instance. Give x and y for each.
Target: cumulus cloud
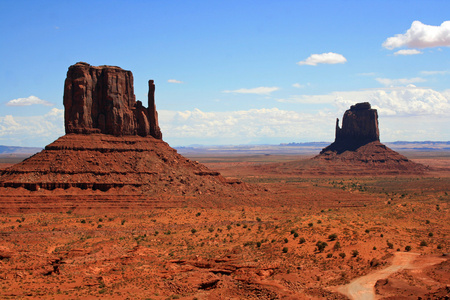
(408, 52)
(243, 126)
(421, 36)
(324, 58)
(174, 81)
(262, 90)
(28, 101)
(399, 81)
(399, 101)
(32, 130)
(298, 85)
(406, 113)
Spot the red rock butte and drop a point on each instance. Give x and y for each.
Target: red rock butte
(113, 150)
(357, 145)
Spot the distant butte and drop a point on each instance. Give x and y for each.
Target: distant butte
(113, 144)
(358, 143)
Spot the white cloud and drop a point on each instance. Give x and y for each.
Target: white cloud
(298, 85)
(174, 81)
(324, 58)
(406, 113)
(243, 126)
(427, 73)
(399, 81)
(400, 101)
(408, 52)
(32, 130)
(421, 36)
(262, 90)
(28, 101)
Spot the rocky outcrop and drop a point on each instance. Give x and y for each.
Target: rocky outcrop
(359, 127)
(357, 148)
(112, 155)
(101, 100)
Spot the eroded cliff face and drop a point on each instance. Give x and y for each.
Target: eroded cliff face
(101, 100)
(359, 125)
(359, 128)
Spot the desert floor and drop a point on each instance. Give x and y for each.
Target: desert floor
(324, 237)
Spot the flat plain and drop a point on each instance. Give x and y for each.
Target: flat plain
(290, 236)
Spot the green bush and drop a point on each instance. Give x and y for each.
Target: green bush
(332, 237)
(321, 246)
(285, 249)
(355, 253)
(408, 248)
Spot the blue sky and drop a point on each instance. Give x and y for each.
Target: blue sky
(234, 72)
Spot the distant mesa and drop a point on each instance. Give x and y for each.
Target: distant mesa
(112, 144)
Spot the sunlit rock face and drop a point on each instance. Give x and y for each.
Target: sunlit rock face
(101, 100)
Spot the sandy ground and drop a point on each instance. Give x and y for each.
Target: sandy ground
(263, 245)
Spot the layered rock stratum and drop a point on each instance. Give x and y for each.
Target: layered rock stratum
(112, 150)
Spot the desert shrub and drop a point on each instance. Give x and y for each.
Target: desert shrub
(367, 230)
(374, 248)
(285, 249)
(83, 221)
(211, 229)
(258, 219)
(156, 232)
(408, 248)
(295, 235)
(381, 235)
(310, 224)
(390, 245)
(99, 226)
(439, 246)
(355, 253)
(319, 222)
(321, 246)
(342, 254)
(427, 222)
(100, 220)
(423, 243)
(228, 227)
(329, 255)
(245, 226)
(430, 234)
(286, 240)
(193, 230)
(302, 240)
(332, 237)
(198, 214)
(258, 244)
(123, 222)
(292, 231)
(337, 246)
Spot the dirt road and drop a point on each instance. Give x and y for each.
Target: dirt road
(362, 288)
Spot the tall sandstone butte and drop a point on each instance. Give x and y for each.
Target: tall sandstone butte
(101, 100)
(357, 148)
(359, 127)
